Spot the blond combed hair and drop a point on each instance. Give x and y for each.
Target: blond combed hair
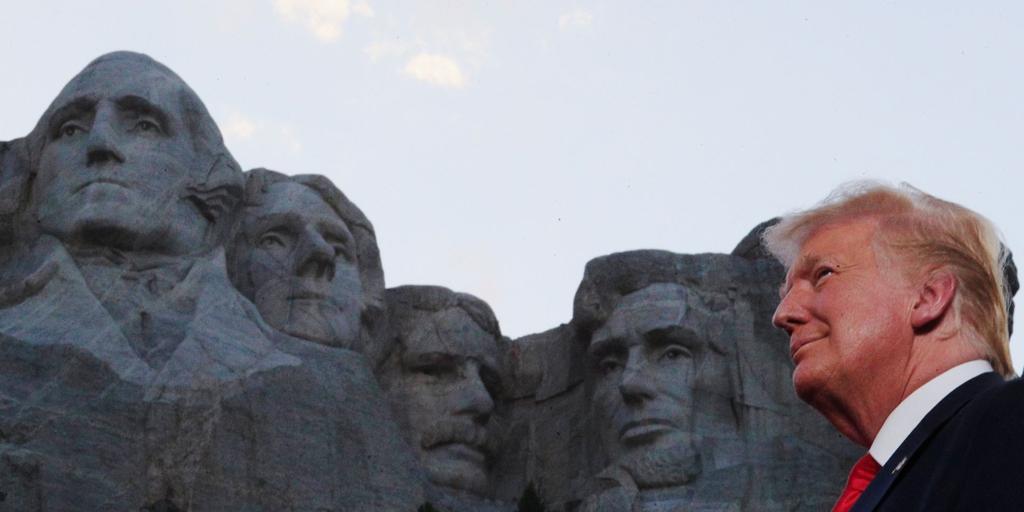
(927, 232)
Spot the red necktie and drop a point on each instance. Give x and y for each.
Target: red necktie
(860, 476)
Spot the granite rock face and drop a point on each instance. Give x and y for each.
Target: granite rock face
(133, 374)
(177, 335)
(670, 390)
(442, 377)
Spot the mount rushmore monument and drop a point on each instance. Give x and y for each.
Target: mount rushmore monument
(177, 334)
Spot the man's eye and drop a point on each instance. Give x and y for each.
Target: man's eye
(675, 352)
(71, 129)
(434, 370)
(271, 241)
(610, 365)
(341, 251)
(145, 125)
(822, 273)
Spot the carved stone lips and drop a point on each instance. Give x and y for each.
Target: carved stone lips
(641, 431)
(99, 181)
(464, 452)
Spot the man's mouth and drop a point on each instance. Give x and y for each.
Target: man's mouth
(643, 431)
(798, 343)
(102, 181)
(463, 452)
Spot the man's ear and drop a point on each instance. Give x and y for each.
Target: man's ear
(935, 298)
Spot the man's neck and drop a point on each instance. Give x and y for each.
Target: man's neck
(929, 357)
(860, 413)
(909, 413)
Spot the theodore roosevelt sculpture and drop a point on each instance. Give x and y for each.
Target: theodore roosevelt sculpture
(442, 379)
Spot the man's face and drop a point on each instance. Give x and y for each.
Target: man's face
(303, 266)
(117, 161)
(645, 358)
(445, 390)
(848, 317)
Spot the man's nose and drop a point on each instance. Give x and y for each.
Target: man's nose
(637, 384)
(102, 144)
(316, 256)
(791, 313)
(472, 397)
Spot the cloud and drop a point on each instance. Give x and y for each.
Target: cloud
(435, 69)
(575, 18)
(323, 18)
(239, 127)
(363, 9)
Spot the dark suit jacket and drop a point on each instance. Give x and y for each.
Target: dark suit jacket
(966, 454)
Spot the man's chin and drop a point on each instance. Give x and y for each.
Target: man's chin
(807, 382)
(312, 320)
(109, 228)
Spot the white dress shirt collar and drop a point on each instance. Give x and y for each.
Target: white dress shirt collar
(905, 417)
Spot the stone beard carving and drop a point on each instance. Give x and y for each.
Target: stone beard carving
(644, 359)
(127, 157)
(307, 257)
(442, 380)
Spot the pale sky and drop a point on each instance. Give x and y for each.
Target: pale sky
(498, 145)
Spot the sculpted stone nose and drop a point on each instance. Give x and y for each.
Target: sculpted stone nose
(636, 386)
(100, 155)
(102, 143)
(316, 257)
(473, 398)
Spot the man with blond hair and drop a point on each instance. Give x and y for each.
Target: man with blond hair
(897, 314)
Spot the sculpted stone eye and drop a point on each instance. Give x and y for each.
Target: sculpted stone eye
(270, 241)
(147, 126)
(341, 251)
(70, 130)
(673, 353)
(609, 365)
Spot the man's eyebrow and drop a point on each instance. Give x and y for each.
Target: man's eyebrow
(74, 107)
(140, 105)
(673, 334)
(602, 346)
(802, 266)
(273, 220)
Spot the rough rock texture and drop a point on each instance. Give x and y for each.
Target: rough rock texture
(133, 375)
(176, 335)
(442, 377)
(743, 439)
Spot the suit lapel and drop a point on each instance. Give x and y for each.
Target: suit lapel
(932, 422)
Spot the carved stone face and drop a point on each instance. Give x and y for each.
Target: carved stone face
(644, 358)
(443, 392)
(303, 266)
(117, 161)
